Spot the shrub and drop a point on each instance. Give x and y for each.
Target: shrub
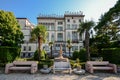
(111, 54)
(45, 62)
(43, 55)
(75, 55)
(82, 55)
(8, 54)
(79, 54)
(35, 57)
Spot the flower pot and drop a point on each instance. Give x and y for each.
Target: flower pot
(45, 66)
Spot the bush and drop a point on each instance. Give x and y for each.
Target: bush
(43, 55)
(111, 54)
(36, 57)
(45, 62)
(82, 55)
(8, 54)
(79, 54)
(75, 55)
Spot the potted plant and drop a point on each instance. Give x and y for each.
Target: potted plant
(77, 64)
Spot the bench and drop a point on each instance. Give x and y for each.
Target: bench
(97, 65)
(21, 65)
(60, 66)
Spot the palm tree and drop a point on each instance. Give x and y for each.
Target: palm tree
(50, 44)
(40, 34)
(69, 46)
(85, 27)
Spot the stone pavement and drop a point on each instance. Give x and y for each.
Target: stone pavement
(59, 76)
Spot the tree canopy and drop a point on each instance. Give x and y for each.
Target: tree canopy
(108, 16)
(10, 33)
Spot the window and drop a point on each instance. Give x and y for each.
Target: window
(68, 35)
(74, 48)
(29, 55)
(68, 26)
(60, 28)
(23, 55)
(74, 26)
(74, 21)
(60, 23)
(68, 20)
(24, 48)
(29, 48)
(51, 23)
(57, 46)
(60, 36)
(47, 27)
(52, 37)
(79, 20)
(52, 27)
(74, 36)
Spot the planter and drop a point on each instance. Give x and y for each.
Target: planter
(45, 66)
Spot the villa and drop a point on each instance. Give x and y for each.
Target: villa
(27, 48)
(59, 28)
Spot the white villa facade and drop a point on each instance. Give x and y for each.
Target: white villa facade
(59, 28)
(63, 28)
(27, 48)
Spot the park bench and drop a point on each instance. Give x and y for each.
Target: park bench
(100, 65)
(21, 65)
(60, 66)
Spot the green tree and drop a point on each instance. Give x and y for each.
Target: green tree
(109, 16)
(50, 44)
(84, 28)
(10, 32)
(69, 46)
(107, 28)
(40, 34)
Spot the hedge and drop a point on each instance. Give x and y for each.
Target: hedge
(111, 54)
(8, 54)
(80, 54)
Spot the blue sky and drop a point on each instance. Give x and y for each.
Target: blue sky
(32, 8)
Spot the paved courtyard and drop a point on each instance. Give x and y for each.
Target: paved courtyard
(58, 76)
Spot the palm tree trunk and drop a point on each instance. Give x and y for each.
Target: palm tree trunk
(39, 48)
(87, 45)
(51, 51)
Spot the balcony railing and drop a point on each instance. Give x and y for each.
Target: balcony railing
(75, 41)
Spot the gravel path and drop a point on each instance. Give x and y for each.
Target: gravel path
(59, 76)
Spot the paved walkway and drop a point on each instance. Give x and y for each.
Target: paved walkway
(59, 76)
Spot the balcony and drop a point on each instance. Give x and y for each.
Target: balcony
(75, 41)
